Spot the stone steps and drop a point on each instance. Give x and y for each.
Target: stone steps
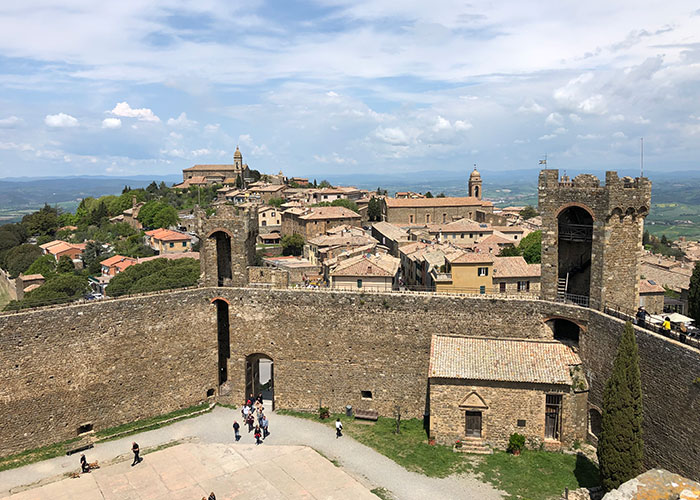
(474, 446)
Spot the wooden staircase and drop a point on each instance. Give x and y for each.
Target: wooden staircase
(562, 286)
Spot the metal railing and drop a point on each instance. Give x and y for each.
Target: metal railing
(575, 232)
(572, 298)
(686, 338)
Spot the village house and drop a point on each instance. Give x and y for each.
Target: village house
(374, 272)
(168, 241)
(651, 296)
(59, 248)
(116, 264)
(194, 181)
(460, 232)
(514, 275)
(130, 215)
(391, 236)
(482, 390)
(328, 246)
(422, 261)
(434, 210)
(267, 192)
(269, 217)
(467, 272)
(314, 221)
(333, 193)
(299, 181)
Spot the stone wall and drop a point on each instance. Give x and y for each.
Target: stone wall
(9, 285)
(119, 360)
(671, 399)
(275, 278)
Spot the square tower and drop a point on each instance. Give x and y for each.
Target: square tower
(592, 238)
(228, 244)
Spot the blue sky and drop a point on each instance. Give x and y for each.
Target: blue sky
(333, 86)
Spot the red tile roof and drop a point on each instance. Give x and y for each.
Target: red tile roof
(466, 201)
(471, 258)
(167, 235)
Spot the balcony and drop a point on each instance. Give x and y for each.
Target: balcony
(575, 232)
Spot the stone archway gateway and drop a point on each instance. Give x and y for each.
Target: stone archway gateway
(260, 377)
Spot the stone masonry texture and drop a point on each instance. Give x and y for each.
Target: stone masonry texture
(119, 360)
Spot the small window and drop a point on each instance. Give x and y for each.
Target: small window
(516, 236)
(483, 271)
(366, 394)
(83, 428)
(502, 287)
(210, 393)
(444, 218)
(523, 286)
(410, 219)
(461, 235)
(427, 218)
(184, 243)
(521, 423)
(172, 245)
(482, 289)
(359, 283)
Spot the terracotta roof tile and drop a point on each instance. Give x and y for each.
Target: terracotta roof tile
(471, 258)
(514, 267)
(650, 286)
(517, 360)
(466, 201)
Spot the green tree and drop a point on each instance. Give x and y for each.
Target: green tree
(428, 194)
(324, 184)
(57, 290)
(276, 202)
(44, 221)
(44, 265)
(441, 195)
(509, 251)
(374, 209)
(343, 202)
(531, 247)
(153, 275)
(65, 265)
(255, 175)
(292, 244)
(239, 182)
(165, 217)
(620, 447)
(528, 212)
(19, 258)
(646, 238)
(694, 294)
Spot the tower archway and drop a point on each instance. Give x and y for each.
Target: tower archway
(564, 330)
(260, 377)
(223, 257)
(223, 342)
(575, 243)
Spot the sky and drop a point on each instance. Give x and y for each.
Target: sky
(325, 87)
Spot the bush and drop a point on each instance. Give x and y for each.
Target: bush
(292, 244)
(19, 259)
(324, 412)
(57, 290)
(154, 275)
(516, 443)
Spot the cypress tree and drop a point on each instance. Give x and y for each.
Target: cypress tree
(620, 448)
(694, 294)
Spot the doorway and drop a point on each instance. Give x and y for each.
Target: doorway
(223, 343)
(552, 416)
(260, 377)
(223, 258)
(473, 424)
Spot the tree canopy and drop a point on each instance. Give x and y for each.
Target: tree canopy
(530, 248)
(153, 275)
(528, 212)
(292, 244)
(694, 294)
(18, 259)
(158, 214)
(58, 289)
(374, 209)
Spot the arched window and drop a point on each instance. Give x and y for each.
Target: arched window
(575, 242)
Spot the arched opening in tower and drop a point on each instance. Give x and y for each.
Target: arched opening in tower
(564, 330)
(223, 257)
(476, 191)
(223, 337)
(260, 377)
(575, 242)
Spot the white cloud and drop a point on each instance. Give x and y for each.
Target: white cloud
(617, 118)
(619, 135)
(181, 121)
(531, 106)
(441, 124)
(463, 125)
(61, 120)
(335, 158)
(330, 93)
(547, 137)
(392, 135)
(111, 123)
(143, 114)
(588, 137)
(10, 122)
(594, 105)
(13, 146)
(554, 119)
(211, 128)
(575, 118)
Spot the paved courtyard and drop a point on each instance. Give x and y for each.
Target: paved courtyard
(191, 471)
(284, 466)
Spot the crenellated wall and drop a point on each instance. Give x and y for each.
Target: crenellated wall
(119, 360)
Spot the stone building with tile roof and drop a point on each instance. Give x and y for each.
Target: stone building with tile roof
(483, 389)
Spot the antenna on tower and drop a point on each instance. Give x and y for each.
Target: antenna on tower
(641, 156)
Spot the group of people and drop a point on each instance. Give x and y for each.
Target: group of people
(253, 415)
(641, 320)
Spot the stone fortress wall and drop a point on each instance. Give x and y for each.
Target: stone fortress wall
(120, 360)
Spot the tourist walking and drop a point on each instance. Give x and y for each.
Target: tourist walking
(211, 496)
(136, 450)
(237, 430)
(257, 435)
(84, 465)
(666, 325)
(338, 428)
(250, 420)
(264, 426)
(641, 317)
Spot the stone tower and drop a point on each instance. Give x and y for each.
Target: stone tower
(238, 159)
(228, 244)
(592, 238)
(474, 187)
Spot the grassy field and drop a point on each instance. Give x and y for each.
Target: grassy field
(674, 220)
(534, 475)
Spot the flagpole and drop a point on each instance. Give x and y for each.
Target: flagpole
(641, 153)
